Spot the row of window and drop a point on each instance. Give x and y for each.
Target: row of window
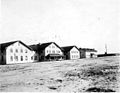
(21, 58)
(74, 52)
(75, 56)
(53, 51)
(51, 46)
(16, 50)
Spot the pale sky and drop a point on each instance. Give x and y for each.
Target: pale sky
(84, 23)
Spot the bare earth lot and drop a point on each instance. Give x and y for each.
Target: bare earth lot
(83, 75)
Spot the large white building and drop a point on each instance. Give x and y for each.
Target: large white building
(48, 51)
(16, 52)
(71, 52)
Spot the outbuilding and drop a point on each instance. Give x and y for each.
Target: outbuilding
(87, 53)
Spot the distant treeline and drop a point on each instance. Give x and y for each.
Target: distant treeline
(111, 54)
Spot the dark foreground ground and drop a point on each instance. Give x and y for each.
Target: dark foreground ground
(83, 75)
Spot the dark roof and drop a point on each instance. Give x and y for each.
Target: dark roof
(88, 49)
(44, 45)
(34, 47)
(67, 48)
(4, 45)
(41, 47)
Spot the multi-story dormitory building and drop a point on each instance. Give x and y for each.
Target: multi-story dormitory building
(48, 51)
(18, 52)
(71, 52)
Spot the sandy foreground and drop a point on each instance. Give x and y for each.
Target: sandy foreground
(83, 75)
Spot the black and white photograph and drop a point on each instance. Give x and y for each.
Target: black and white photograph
(60, 46)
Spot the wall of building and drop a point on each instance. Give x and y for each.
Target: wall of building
(74, 53)
(91, 55)
(18, 53)
(82, 54)
(53, 49)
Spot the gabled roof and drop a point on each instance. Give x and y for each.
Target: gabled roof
(88, 49)
(44, 45)
(41, 47)
(67, 48)
(4, 45)
(34, 47)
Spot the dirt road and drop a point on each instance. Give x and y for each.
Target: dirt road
(97, 74)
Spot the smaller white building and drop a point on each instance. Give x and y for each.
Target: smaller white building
(88, 53)
(16, 52)
(71, 52)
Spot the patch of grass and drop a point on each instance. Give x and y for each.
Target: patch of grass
(11, 68)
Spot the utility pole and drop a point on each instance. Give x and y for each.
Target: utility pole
(105, 48)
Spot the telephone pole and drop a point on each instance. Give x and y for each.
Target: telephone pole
(105, 48)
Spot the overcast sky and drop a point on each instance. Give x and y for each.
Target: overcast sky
(84, 23)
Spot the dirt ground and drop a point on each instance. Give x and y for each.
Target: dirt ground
(83, 75)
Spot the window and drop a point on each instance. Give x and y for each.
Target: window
(11, 58)
(72, 51)
(16, 58)
(11, 50)
(21, 58)
(26, 58)
(53, 46)
(26, 51)
(35, 58)
(53, 51)
(16, 50)
(49, 51)
(21, 51)
(58, 51)
(32, 58)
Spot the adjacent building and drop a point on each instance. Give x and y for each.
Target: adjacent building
(71, 52)
(16, 52)
(87, 53)
(48, 51)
